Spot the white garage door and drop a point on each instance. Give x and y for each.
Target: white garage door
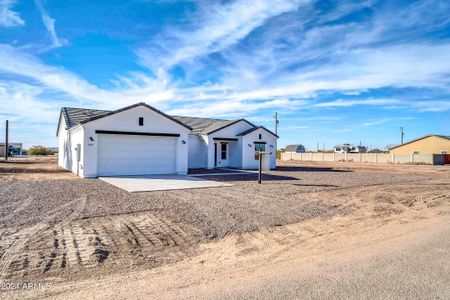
(135, 155)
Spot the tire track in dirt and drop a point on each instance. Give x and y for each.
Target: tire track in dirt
(120, 242)
(23, 236)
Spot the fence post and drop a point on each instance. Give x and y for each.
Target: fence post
(334, 156)
(322, 156)
(393, 158)
(376, 158)
(291, 155)
(310, 156)
(360, 157)
(412, 158)
(346, 156)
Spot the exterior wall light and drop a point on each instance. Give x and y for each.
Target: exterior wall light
(271, 146)
(250, 145)
(91, 139)
(183, 141)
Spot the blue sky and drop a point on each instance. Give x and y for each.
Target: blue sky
(335, 71)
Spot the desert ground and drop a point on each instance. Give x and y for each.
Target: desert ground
(310, 230)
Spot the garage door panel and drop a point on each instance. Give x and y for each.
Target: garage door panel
(136, 155)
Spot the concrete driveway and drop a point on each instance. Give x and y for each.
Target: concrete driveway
(149, 183)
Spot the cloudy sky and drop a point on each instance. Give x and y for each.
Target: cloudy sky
(335, 71)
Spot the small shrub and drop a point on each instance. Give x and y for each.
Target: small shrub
(279, 153)
(39, 150)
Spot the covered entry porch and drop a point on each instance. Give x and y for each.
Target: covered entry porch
(226, 153)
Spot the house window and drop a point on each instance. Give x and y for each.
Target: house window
(223, 151)
(259, 148)
(141, 121)
(260, 136)
(416, 152)
(444, 151)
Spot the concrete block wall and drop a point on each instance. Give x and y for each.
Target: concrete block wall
(380, 158)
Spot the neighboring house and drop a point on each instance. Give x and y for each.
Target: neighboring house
(429, 144)
(14, 149)
(349, 148)
(375, 150)
(140, 139)
(295, 148)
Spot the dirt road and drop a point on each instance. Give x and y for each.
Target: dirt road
(414, 268)
(400, 257)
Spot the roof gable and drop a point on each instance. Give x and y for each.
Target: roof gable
(76, 116)
(447, 137)
(131, 107)
(256, 128)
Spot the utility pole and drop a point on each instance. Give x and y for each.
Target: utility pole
(6, 140)
(402, 134)
(275, 116)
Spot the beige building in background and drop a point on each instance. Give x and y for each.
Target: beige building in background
(429, 144)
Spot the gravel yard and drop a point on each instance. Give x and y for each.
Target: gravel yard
(55, 225)
(284, 197)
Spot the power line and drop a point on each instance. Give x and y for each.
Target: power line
(275, 116)
(402, 133)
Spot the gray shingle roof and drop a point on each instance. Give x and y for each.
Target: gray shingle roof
(444, 136)
(75, 116)
(204, 125)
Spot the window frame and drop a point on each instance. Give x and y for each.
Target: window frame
(223, 151)
(141, 121)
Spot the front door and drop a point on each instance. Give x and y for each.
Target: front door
(221, 155)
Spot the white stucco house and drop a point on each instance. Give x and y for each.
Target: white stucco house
(140, 140)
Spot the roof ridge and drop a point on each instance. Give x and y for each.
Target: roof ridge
(215, 119)
(71, 107)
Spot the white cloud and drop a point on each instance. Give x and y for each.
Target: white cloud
(232, 107)
(294, 58)
(376, 122)
(49, 24)
(292, 127)
(9, 18)
(348, 103)
(138, 88)
(220, 27)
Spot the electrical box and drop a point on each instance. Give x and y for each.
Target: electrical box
(78, 149)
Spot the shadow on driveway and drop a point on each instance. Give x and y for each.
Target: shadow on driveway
(250, 177)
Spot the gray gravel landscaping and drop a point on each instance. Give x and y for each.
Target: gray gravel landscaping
(282, 199)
